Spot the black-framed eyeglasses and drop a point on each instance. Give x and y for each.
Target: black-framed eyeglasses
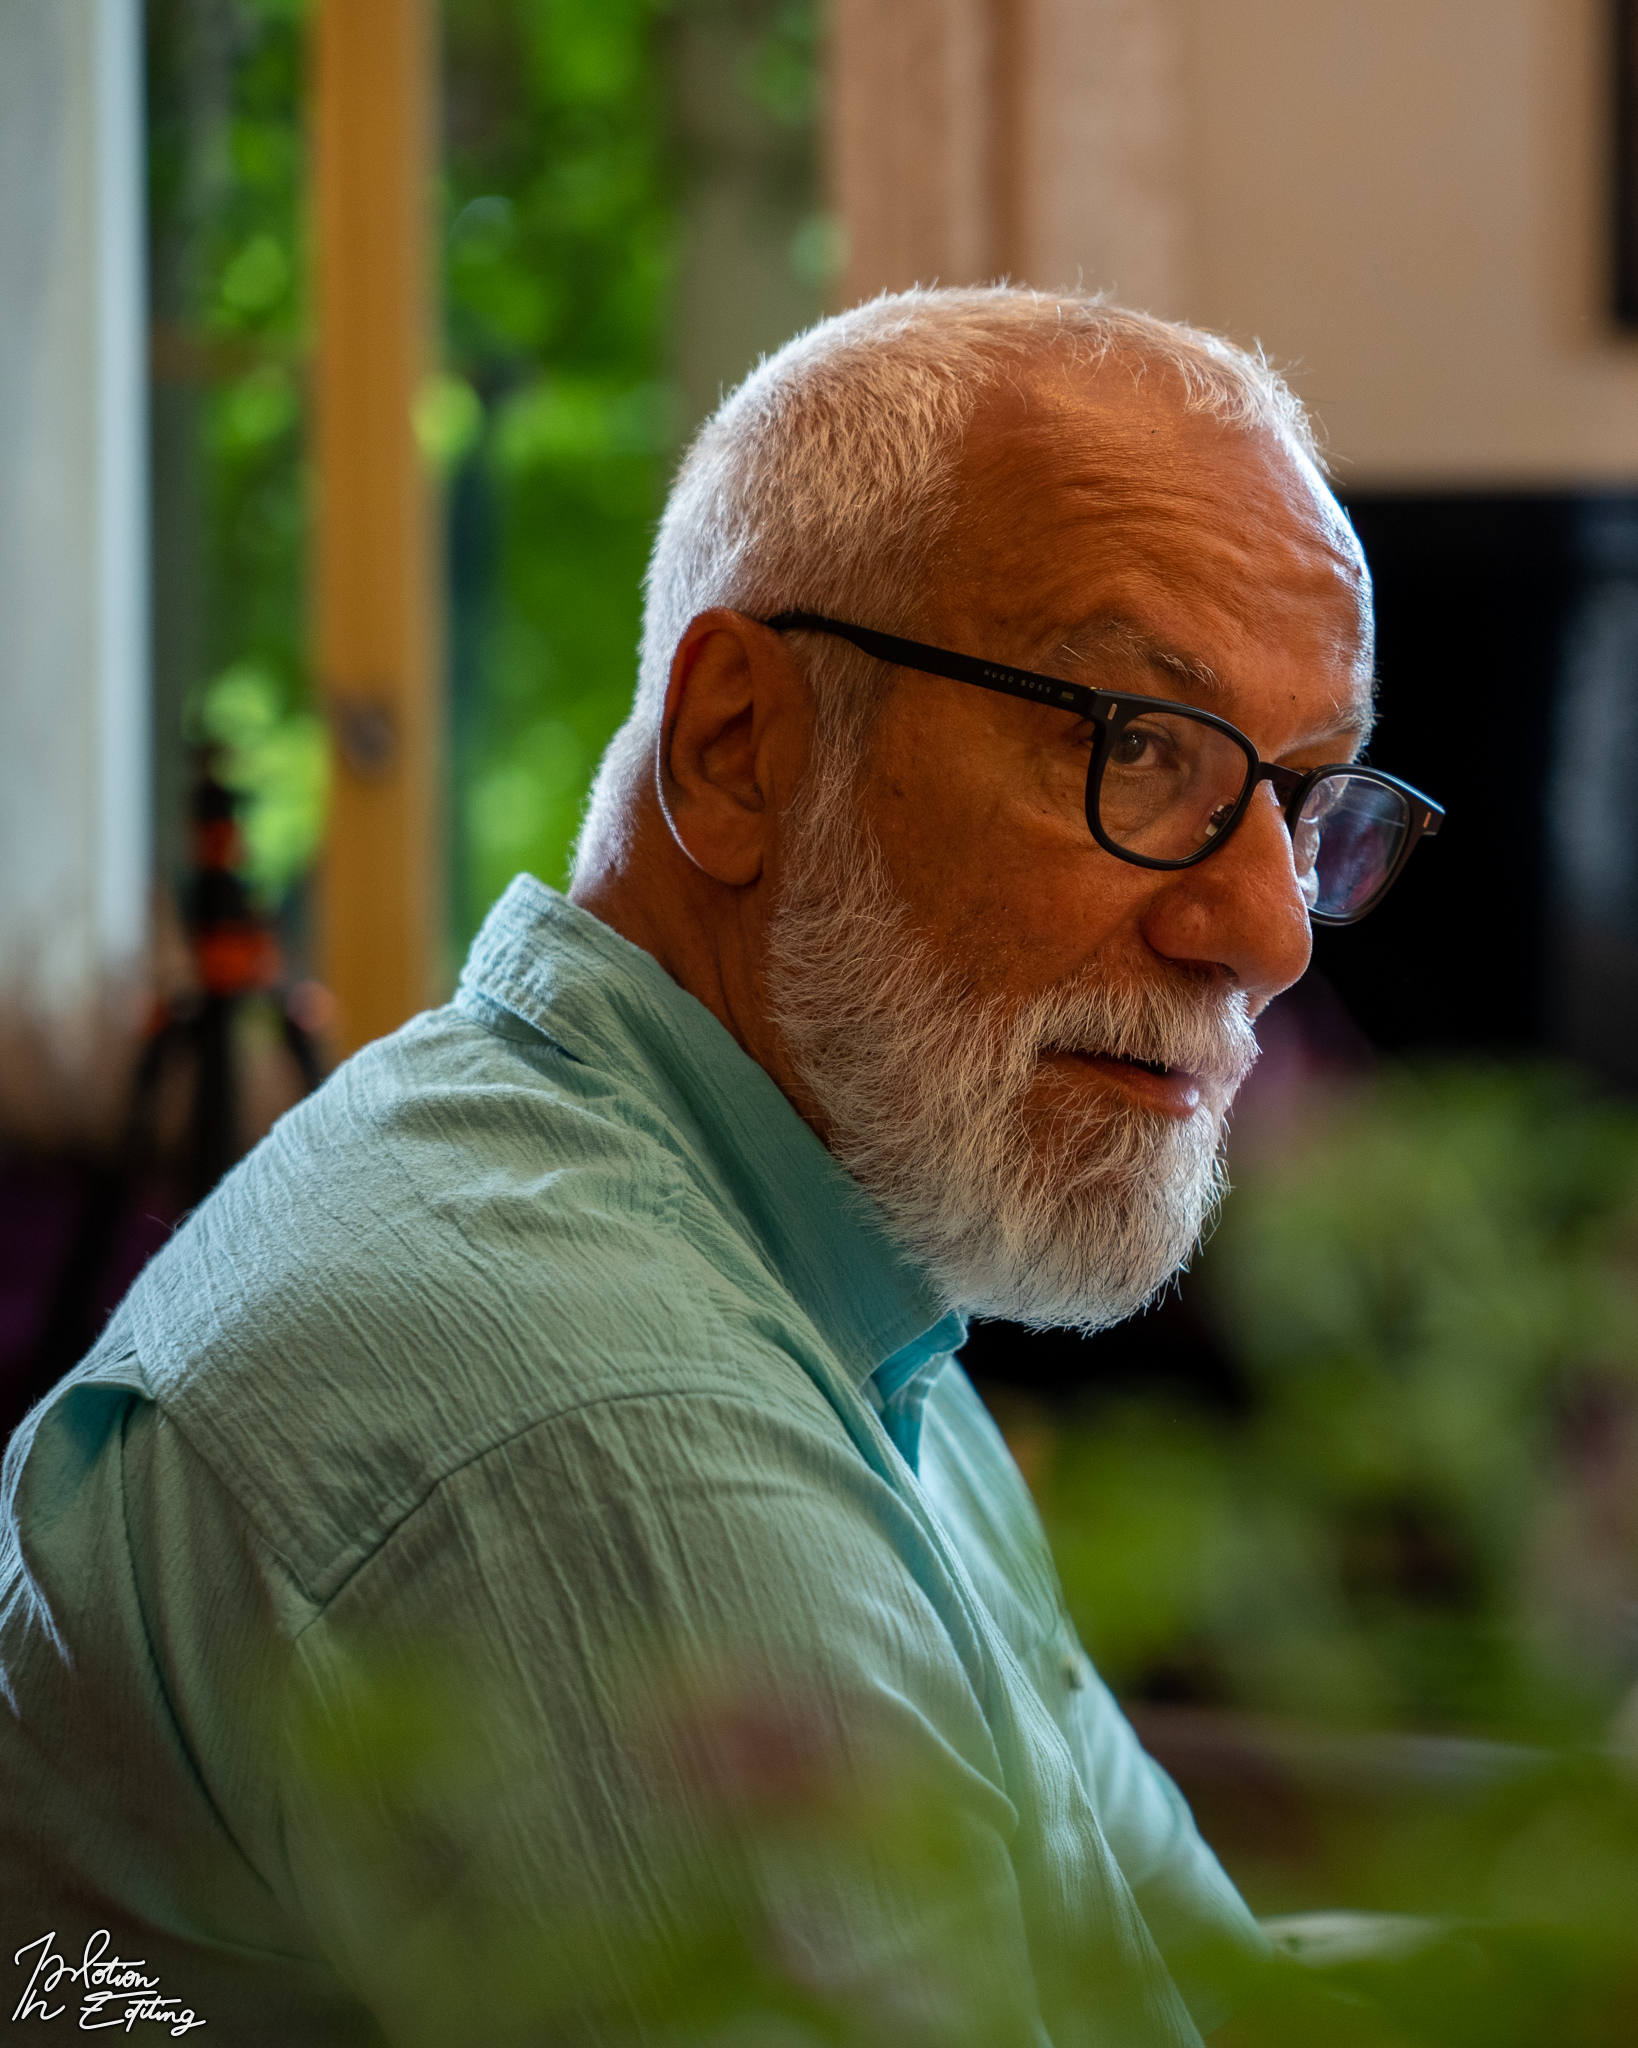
(1168, 784)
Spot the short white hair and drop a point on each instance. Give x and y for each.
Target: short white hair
(824, 482)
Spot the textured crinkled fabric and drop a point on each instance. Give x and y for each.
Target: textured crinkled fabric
(523, 1563)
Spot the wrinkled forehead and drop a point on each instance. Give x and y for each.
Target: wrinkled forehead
(1076, 479)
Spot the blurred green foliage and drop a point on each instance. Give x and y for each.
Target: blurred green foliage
(229, 263)
(277, 758)
(431, 1805)
(552, 423)
(559, 223)
(1405, 1576)
(1428, 1516)
(1506, 1918)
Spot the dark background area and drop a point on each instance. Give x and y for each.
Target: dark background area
(1474, 597)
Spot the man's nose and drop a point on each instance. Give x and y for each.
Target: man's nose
(1241, 910)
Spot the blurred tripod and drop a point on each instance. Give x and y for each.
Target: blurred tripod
(236, 958)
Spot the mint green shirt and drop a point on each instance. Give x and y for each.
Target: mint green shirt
(527, 1535)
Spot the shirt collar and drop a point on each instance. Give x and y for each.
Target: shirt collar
(611, 1006)
(900, 1385)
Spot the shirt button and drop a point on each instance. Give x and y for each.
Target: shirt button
(1074, 1670)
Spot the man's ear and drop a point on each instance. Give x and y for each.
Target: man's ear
(732, 742)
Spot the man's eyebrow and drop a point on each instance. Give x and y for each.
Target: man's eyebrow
(1120, 636)
(1358, 721)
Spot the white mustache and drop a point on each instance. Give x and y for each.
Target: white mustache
(1185, 1029)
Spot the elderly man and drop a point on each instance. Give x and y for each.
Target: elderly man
(524, 1562)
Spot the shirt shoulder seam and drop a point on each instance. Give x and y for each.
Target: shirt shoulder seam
(540, 1422)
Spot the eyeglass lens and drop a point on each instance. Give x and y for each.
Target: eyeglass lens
(1347, 839)
(1170, 783)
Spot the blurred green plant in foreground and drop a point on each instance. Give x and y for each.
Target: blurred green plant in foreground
(1427, 1516)
(1515, 1923)
(433, 1811)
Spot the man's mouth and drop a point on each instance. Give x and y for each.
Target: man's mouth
(1173, 1090)
(1130, 1059)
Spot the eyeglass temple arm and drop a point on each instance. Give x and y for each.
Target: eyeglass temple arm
(960, 668)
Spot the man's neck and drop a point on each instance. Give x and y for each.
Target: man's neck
(711, 939)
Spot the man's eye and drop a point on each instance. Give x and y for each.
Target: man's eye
(1129, 749)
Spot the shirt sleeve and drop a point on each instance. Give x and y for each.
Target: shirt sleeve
(640, 1722)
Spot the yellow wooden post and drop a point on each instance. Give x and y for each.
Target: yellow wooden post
(376, 581)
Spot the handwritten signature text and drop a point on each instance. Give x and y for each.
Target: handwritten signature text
(111, 1992)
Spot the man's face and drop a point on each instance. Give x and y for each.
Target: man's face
(1089, 506)
(1105, 537)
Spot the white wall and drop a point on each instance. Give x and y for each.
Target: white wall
(1407, 197)
(1404, 199)
(74, 778)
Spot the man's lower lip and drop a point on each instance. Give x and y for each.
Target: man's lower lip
(1175, 1091)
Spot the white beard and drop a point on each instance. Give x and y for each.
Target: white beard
(1075, 1216)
